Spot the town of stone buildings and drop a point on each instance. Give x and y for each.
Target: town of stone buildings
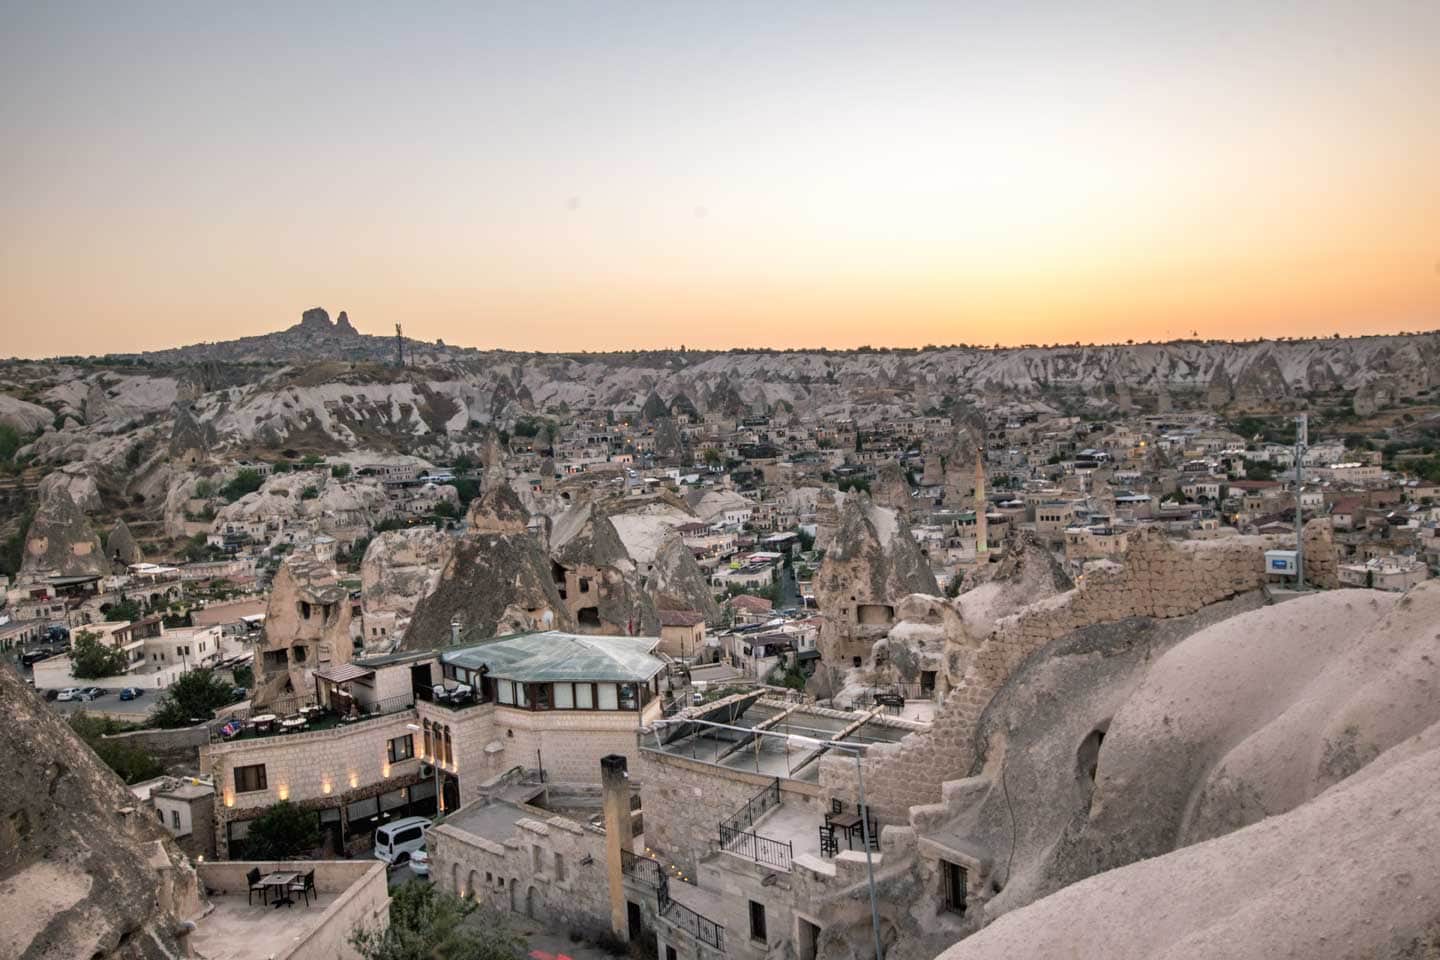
(1108, 652)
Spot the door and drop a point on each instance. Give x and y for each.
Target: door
(634, 919)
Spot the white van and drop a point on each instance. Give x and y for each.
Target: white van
(394, 842)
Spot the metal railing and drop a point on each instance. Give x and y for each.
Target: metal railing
(736, 836)
(644, 869)
(756, 807)
(701, 928)
(752, 846)
(330, 718)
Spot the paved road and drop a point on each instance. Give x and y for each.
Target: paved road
(110, 703)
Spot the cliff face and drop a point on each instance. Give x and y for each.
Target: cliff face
(676, 581)
(400, 569)
(83, 871)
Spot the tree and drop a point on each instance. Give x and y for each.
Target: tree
(283, 830)
(429, 923)
(130, 762)
(245, 481)
(90, 659)
(340, 471)
(713, 457)
(192, 698)
(126, 611)
(310, 492)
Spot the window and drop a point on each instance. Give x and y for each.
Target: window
(429, 746)
(584, 696)
(608, 700)
(628, 697)
(250, 779)
(401, 748)
(669, 952)
(521, 697)
(757, 921)
(300, 653)
(564, 696)
(542, 696)
(175, 819)
(449, 749)
(559, 867)
(955, 880)
(505, 691)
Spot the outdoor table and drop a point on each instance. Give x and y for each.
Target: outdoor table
(283, 881)
(296, 724)
(847, 822)
(263, 721)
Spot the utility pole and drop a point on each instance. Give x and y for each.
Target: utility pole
(1302, 442)
(399, 347)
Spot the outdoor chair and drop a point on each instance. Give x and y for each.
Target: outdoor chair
(253, 880)
(829, 846)
(305, 886)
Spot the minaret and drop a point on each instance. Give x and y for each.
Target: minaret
(981, 544)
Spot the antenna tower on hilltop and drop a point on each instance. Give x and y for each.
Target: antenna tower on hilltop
(399, 347)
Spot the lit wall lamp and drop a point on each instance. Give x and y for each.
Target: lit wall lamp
(354, 780)
(229, 799)
(283, 791)
(326, 786)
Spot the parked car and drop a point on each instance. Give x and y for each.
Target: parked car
(395, 842)
(420, 862)
(69, 693)
(90, 693)
(131, 693)
(51, 694)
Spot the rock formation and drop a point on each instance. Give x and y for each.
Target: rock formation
(891, 489)
(190, 440)
(676, 581)
(596, 577)
(24, 417)
(400, 569)
(872, 562)
(60, 541)
(497, 511)
(493, 584)
(307, 625)
(1285, 723)
(121, 547)
(84, 871)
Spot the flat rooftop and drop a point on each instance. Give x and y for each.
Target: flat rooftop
(239, 930)
(494, 820)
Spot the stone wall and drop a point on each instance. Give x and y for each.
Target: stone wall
(549, 868)
(1157, 577)
(685, 800)
(170, 747)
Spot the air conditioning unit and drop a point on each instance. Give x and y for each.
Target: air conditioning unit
(426, 770)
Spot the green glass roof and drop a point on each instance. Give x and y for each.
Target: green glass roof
(554, 656)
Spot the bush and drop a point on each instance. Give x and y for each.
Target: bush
(90, 659)
(192, 698)
(427, 921)
(246, 481)
(283, 830)
(133, 764)
(340, 471)
(310, 493)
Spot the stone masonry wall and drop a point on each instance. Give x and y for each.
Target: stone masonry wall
(1157, 577)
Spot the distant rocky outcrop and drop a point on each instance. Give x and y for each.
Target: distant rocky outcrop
(24, 417)
(497, 511)
(121, 547)
(400, 569)
(676, 581)
(60, 541)
(85, 871)
(493, 584)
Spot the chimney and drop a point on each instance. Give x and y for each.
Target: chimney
(615, 791)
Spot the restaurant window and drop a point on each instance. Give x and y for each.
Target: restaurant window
(521, 697)
(584, 696)
(564, 696)
(401, 748)
(628, 698)
(505, 691)
(608, 699)
(250, 779)
(542, 696)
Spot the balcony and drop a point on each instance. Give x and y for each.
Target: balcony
(289, 717)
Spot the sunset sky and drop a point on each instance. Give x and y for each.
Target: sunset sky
(615, 175)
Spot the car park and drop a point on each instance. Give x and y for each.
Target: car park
(90, 693)
(131, 693)
(69, 693)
